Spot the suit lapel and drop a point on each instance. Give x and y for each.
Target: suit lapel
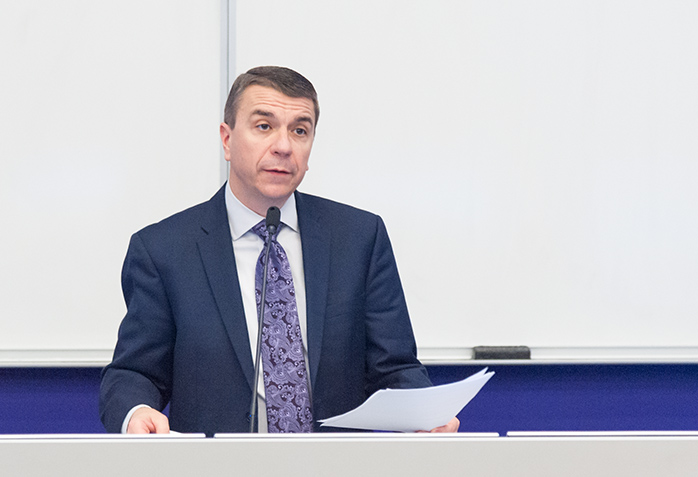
(315, 239)
(216, 250)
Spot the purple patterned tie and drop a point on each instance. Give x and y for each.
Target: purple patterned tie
(285, 377)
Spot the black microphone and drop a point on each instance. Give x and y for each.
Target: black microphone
(273, 219)
(272, 222)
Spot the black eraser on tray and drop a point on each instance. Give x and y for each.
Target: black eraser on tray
(501, 352)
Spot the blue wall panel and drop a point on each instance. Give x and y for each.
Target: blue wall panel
(517, 398)
(49, 400)
(579, 397)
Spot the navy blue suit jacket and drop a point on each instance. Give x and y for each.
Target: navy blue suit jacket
(184, 338)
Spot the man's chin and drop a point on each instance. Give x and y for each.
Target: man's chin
(278, 191)
(276, 196)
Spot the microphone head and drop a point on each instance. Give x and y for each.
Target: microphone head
(273, 219)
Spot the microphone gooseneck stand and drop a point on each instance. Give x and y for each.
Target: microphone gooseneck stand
(273, 220)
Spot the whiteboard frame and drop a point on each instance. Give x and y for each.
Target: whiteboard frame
(98, 358)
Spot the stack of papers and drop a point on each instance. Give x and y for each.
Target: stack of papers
(410, 410)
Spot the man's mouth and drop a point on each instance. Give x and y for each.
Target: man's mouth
(277, 171)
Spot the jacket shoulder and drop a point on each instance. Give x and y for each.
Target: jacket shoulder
(331, 210)
(206, 215)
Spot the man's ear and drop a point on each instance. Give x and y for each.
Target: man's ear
(226, 132)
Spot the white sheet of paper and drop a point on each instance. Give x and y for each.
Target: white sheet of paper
(409, 410)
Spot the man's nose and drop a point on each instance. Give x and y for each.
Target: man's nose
(282, 143)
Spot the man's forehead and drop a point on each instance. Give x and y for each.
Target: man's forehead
(256, 99)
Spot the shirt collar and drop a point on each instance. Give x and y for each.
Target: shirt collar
(242, 219)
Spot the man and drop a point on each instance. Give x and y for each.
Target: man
(190, 287)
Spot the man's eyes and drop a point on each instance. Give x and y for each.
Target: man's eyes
(267, 127)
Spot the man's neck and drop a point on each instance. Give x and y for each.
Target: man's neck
(259, 207)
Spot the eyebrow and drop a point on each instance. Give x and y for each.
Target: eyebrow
(269, 114)
(305, 119)
(261, 112)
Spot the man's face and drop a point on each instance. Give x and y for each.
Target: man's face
(269, 147)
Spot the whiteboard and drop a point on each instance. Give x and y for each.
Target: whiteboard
(109, 117)
(536, 162)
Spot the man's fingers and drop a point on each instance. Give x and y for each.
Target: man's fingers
(452, 426)
(148, 421)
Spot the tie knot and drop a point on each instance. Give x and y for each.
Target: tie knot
(261, 230)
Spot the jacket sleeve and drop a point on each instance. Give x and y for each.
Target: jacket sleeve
(391, 349)
(140, 372)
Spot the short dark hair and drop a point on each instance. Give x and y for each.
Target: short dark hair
(284, 80)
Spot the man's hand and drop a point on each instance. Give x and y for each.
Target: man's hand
(451, 426)
(148, 421)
